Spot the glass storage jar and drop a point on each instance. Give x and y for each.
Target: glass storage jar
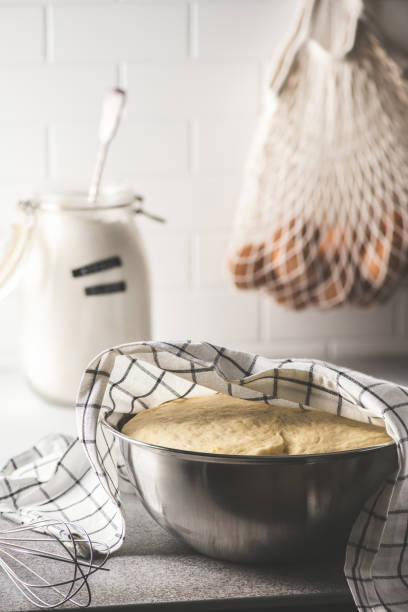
(85, 286)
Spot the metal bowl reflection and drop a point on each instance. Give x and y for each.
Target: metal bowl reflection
(256, 509)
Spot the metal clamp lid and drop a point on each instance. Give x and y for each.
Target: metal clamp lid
(140, 210)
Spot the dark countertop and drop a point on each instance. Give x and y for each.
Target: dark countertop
(154, 571)
(153, 567)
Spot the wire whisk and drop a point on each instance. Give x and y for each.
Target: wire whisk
(52, 567)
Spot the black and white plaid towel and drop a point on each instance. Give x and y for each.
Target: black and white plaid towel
(58, 479)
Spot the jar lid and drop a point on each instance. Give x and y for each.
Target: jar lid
(75, 200)
(14, 245)
(15, 240)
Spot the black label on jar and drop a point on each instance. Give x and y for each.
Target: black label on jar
(106, 288)
(98, 266)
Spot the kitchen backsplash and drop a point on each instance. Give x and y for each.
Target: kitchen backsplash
(194, 73)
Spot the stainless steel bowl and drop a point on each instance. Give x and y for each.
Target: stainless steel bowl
(256, 509)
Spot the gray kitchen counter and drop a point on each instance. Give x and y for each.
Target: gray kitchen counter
(153, 570)
(153, 567)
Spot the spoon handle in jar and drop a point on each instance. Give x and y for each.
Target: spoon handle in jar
(112, 108)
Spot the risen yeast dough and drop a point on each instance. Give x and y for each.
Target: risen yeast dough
(223, 424)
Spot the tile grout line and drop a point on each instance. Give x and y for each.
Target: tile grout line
(48, 25)
(192, 31)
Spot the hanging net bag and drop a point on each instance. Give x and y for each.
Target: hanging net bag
(323, 217)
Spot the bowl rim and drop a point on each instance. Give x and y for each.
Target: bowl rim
(247, 459)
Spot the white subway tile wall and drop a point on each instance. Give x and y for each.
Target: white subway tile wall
(22, 152)
(222, 144)
(216, 316)
(153, 148)
(22, 34)
(241, 29)
(194, 72)
(210, 252)
(189, 89)
(50, 92)
(111, 32)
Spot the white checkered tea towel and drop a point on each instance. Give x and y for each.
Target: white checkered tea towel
(78, 480)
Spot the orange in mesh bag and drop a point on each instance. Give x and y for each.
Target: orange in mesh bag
(323, 216)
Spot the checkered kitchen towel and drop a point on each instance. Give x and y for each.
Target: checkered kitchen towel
(58, 479)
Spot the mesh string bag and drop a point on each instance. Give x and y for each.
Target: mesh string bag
(323, 215)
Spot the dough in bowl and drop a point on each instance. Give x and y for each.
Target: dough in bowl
(229, 425)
